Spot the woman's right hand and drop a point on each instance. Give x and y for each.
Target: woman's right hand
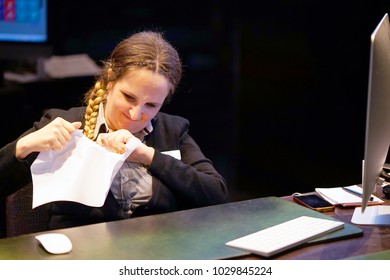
(54, 136)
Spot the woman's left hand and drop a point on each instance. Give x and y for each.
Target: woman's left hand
(115, 141)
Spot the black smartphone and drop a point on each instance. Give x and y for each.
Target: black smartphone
(314, 202)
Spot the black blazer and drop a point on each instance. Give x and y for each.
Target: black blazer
(177, 184)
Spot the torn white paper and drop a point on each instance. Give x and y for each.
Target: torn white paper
(81, 172)
(174, 153)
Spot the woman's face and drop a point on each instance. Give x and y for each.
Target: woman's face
(134, 100)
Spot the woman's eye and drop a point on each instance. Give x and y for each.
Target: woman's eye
(151, 105)
(129, 97)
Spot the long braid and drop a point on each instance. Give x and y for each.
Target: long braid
(96, 96)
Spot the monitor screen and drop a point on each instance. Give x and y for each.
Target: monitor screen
(377, 138)
(23, 21)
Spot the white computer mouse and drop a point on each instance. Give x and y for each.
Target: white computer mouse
(55, 243)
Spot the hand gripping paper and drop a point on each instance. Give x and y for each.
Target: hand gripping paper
(81, 172)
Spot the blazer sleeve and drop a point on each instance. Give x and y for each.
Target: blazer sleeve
(193, 178)
(15, 173)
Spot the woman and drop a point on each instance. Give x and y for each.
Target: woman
(141, 75)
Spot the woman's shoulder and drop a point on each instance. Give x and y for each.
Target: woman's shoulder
(165, 119)
(167, 129)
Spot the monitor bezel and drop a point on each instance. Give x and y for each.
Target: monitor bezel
(377, 135)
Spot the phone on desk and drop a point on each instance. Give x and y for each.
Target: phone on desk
(314, 202)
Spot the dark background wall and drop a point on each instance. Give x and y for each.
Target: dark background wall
(275, 90)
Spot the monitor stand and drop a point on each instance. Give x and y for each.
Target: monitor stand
(372, 215)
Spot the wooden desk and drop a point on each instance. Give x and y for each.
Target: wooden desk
(200, 234)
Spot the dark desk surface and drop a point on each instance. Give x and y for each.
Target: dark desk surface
(375, 240)
(201, 234)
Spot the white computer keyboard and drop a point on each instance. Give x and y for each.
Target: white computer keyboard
(278, 238)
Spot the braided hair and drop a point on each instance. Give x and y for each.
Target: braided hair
(143, 50)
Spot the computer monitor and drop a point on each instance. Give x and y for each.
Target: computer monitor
(23, 21)
(23, 34)
(377, 135)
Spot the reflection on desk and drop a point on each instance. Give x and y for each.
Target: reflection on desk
(191, 234)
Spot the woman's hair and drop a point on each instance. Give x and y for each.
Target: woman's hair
(143, 50)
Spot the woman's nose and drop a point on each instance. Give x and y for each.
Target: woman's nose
(136, 113)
